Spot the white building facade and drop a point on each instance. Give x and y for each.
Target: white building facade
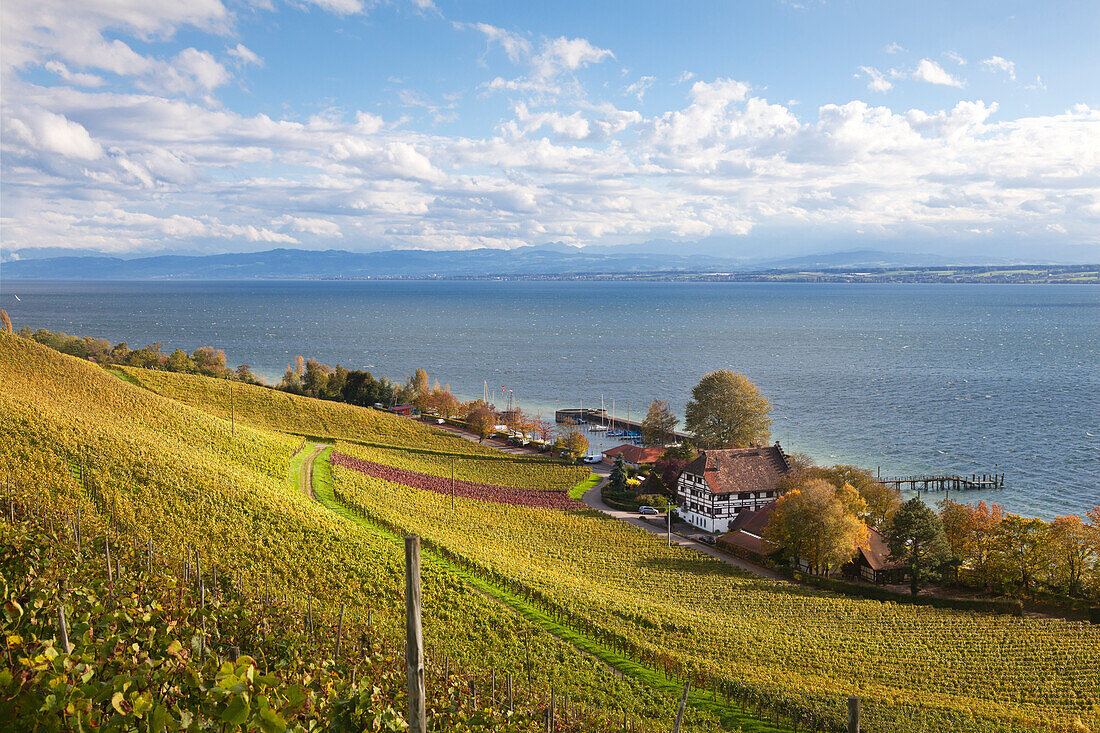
(718, 485)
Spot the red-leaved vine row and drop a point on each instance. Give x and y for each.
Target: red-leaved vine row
(467, 489)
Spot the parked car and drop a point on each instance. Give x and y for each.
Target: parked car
(647, 510)
(707, 539)
(440, 421)
(592, 459)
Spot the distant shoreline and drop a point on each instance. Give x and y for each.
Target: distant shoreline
(970, 275)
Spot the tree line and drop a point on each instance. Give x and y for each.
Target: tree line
(824, 514)
(205, 360)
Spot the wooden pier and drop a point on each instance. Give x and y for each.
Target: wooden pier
(975, 481)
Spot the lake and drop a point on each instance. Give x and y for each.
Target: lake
(906, 378)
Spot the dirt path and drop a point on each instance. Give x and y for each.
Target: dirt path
(306, 477)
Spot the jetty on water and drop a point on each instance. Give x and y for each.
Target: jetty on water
(975, 481)
(589, 416)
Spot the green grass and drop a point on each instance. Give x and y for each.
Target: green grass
(729, 715)
(578, 491)
(122, 375)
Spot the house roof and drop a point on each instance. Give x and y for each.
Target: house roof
(635, 453)
(745, 542)
(877, 553)
(733, 470)
(753, 522)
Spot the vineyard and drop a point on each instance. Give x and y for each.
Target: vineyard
(917, 668)
(164, 463)
(467, 489)
(288, 413)
(79, 440)
(534, 475)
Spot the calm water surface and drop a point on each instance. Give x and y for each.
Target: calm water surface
(909, 378)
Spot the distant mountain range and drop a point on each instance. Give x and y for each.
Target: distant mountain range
(552, 259)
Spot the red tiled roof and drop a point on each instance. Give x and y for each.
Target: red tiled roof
(733, 470)
(635, 453)
(877, 553)
(753, 522)
(734, 540)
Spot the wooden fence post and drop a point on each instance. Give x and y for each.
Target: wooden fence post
(680, 711)
(64, 629)
(414, 638)
(853, 714)
(339, 632)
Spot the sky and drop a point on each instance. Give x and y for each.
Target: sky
(134, 127)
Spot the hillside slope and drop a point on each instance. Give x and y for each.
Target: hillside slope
(161, 470)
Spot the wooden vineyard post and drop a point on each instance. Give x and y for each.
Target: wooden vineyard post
(339, 632)
(414, 637)
(680, 711)
(63, 627)
(511, 705)
(853, 714)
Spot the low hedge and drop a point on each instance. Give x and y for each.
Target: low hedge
(1006, 606)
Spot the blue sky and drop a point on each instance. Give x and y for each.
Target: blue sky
(214, 126)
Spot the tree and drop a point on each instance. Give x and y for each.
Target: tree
(571, 443)
(728, 411)
(544, 429)
(1020, 550)
(881, 500)
(618, 476)
(515, 420)
(441, 402)
(915, 537)
(482, 421)
(5, 320)
(244, 374)
(659, 424)
(1074, 551)
(813, 524)
(179, 361)
(418, 388)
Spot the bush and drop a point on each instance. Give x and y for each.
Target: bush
(654, 500)
(1007, 606)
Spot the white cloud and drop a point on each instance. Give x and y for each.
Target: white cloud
(310, 225)
(515, 46)
(73, 77)
(956, 58)
(566, 54)
(895, 47)
(38, 30)
(245, 56)
(339, 7)
(878, 81)
(640, 87)
(998, 64)
(685, 76)
(1037, 85)
(200, 69)
(110, 168)
(548, 76)
(931, 72)
(50, 132)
